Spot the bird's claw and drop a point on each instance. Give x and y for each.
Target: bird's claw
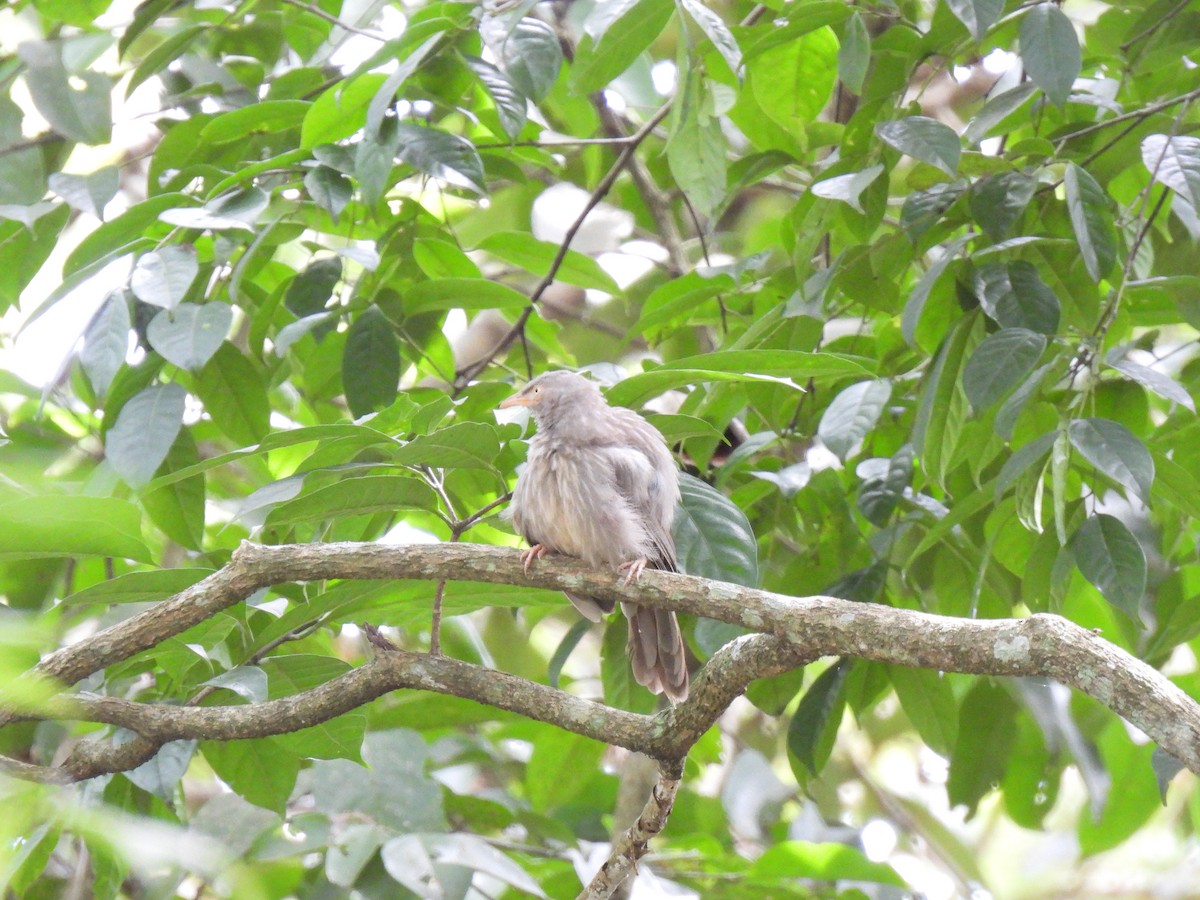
(635, 568)
(528, 556)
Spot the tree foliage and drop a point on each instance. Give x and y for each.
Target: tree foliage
(909, 287)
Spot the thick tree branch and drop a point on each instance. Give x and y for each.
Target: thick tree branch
(798, 629)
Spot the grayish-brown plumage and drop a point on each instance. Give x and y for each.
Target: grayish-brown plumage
(600, 484)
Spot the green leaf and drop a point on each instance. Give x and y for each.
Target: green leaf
(879, 497)
(999, 363)
(775, 366)
(558, 767)
(924, 209)
(370, 363)
(1050, 51)
(78, 105)
(337, 738)
(814, 725)
(717, 31)
(310, 291)
(977, 15)
(1114, 450)
(1163, 385)
(943, 408)
(532, 57)
(925, 139)
(1175, 162)
(441, 155)
(998, 202)
(163, 277)
(929, 704)
(396, 78)
(522, 249)
(123, 233)
(329, 189)
(1019, 462)
(1092, 221)
(1110, 557)
(234, 395)
(849, 187)
(713, 538)
(1010, 409)
(696, 147)
(137, 587)
(49, 525)
(162, 55)
(986, 732)
(340, 111)
(996, 110)
(87, 193)
(264, 117)
(1014, 295)
(510, 102)
(599, 61)
(679, 298)
(189, 335)
(852, 414)
(262, 771)
(915, 305)
(465, 445)
(461, 293)
(792, 81)
(106, 342)
(145, 429)
(830, 862)
(621, 691)
(854, 56)
(355, 497)
(178, 508)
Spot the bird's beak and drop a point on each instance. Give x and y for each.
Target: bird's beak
(515, 400)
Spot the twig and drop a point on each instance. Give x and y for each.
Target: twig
(633, 844)
(315, 10)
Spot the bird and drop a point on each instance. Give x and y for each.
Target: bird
(599, 484)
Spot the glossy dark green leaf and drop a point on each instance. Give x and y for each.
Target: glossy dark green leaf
(1163, 385)
(190, 334)
(532, 57)
(943, 408)
(1014, 295)
(713, 538)
(1050, 51)
(310, 291)
(370, 363)
(163, 277)
(986, 731)
(510, 102)
(235, 396)
(815, 723)
(852, 414)
(910, 318)
(879, 497)
(1010, 409)
(1110, 557)
(998, 202)
(106, 342)
(64, 525)
(441, 155)
(1092, 221)
(1114, 450)
(977, 15)
(924, 209)
(925, 139)
(464, 445)
(1174, 160)
(145, 429)
(329, 189)
(1000, 363)
(996, 110)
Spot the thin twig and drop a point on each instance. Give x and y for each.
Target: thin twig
(315, 10)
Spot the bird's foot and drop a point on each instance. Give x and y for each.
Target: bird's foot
(635, 568)
(528, 556)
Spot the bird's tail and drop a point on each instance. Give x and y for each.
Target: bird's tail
(656, 651)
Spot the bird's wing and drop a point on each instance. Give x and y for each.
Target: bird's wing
(644, 474)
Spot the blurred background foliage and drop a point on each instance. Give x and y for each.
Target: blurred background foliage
(912, 284)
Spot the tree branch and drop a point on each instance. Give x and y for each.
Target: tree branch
(797, 630)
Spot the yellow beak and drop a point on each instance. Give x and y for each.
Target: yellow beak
(516, 400)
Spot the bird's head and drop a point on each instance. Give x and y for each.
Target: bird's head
(556, 396)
